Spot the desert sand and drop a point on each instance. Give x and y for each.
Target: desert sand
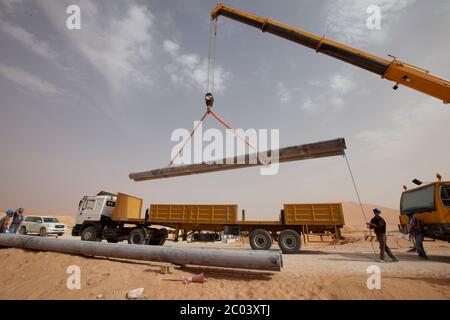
(320, 271)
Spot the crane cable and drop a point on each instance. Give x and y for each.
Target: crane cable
(210, 80)
(211, 56)
(210, 91)
(189, 138)
(359, 201)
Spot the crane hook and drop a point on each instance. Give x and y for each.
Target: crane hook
(209, 100)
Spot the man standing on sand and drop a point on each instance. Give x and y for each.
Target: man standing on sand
(411, 236)
(379, 227)
(4, 221)
(417, 229)
(16, 220)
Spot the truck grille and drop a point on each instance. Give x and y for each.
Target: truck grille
(59, 226)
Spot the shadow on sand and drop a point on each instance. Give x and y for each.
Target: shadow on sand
(412, 257)
(229, 274)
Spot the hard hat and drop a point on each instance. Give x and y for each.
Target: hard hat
(409, 213)
(377, 210)
(9, 212)
(20, 210)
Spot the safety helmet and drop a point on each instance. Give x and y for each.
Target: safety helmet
(9, 212)
(377, 210)
(20, 210)
(409, 213)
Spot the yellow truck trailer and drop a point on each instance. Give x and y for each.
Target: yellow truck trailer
(295, 219)
(118, 217)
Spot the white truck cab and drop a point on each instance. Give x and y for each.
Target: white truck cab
(115, 217)
(92, 208)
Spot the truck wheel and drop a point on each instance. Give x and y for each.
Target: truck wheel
(289, 241)
(23, 230)
(42, 232)
(260, 239)
(137, 236)
(89, 234)
(158, 241)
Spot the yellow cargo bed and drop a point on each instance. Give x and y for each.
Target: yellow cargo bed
(193, 213)
(127, 208)
(314, 214)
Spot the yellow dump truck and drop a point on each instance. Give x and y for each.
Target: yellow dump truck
(431, 203)
(118, 217)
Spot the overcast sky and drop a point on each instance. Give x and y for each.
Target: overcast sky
(81, 109)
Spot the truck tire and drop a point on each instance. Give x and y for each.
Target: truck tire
(137, 236)
(260, 239)
(89, 234)
(158, 241)
(289, 241)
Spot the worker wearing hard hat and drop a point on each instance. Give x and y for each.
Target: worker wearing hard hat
(17, 219)
(417, 230)
(4, 221)
(379, 227)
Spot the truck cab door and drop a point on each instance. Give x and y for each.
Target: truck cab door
(86, 208)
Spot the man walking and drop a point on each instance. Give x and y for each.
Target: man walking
(17, 219)
(379, 227)
(418, 231)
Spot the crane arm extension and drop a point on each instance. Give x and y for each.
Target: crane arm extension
(394, 70)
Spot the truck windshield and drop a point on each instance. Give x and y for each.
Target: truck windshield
(445, 194)
(51, 220)
(418, 200)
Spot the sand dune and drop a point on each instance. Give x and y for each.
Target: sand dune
(354, 217)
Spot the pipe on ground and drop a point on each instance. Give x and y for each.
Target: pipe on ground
(225, 258)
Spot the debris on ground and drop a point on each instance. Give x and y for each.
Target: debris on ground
(135, 294)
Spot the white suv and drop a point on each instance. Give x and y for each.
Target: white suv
(42, 225)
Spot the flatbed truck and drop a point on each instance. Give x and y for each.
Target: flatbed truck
(118, 217)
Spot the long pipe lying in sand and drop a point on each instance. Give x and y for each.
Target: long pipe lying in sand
(225, 258)
(321, 149)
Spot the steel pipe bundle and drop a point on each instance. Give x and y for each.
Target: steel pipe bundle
(225, 258)
(301, 152)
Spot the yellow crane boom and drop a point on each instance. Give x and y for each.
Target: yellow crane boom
(394, 70)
